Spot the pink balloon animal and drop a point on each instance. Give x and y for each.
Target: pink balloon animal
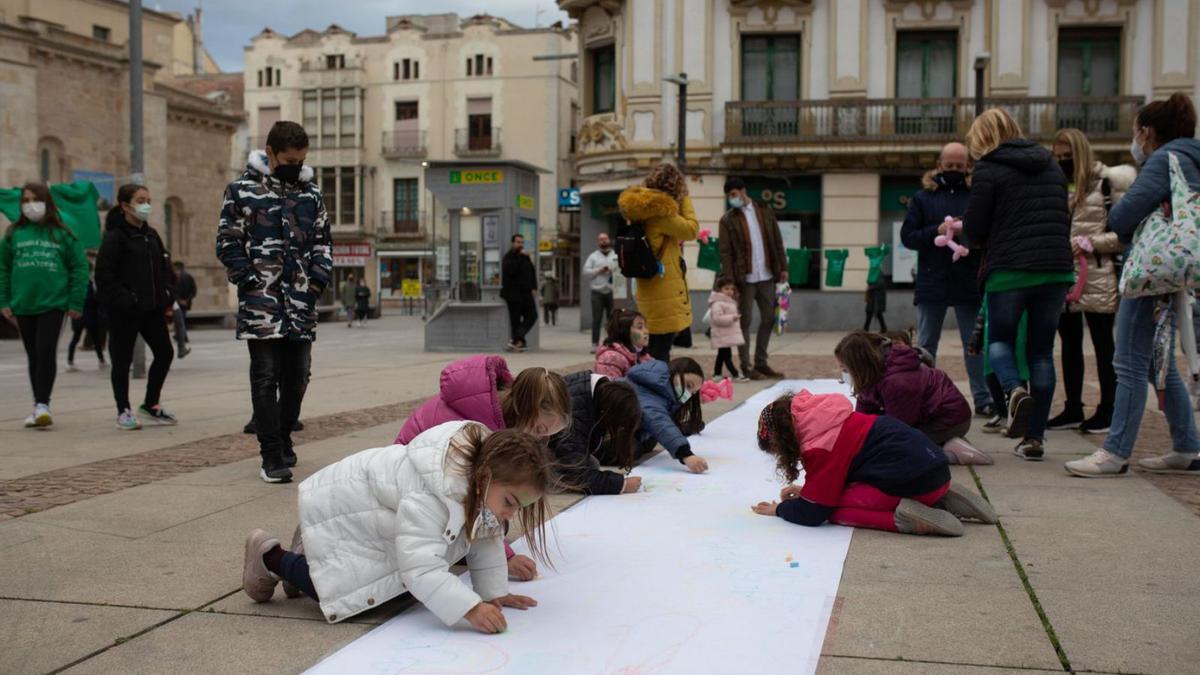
(953, 227)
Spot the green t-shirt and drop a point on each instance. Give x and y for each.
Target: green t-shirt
(1011, 280)
(42, 269)
(836, 259)
(875, 256)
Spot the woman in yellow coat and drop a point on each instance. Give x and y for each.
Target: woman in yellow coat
(661, 204)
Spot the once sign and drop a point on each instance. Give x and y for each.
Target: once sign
(486, 177)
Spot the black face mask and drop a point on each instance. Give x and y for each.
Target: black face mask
(1068, 167)
(288, 173)
(953, 179)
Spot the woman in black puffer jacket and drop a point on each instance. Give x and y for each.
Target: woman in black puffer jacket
(1018, 215)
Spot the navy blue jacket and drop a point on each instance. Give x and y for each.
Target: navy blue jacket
(652, 381)
(1153, 185)
(940, 281)
(576, 447)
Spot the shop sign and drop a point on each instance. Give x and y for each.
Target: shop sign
(351, 255)
(485, 177)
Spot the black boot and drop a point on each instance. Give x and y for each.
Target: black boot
(1070, 418)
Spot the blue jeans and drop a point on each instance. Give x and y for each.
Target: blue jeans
(1044, 304)
(929, 331)
(1134, 364)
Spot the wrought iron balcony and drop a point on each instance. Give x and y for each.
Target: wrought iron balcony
(470, 143)
(402, 143)
(402, 225)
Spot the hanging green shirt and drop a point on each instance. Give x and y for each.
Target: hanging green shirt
(42, 269)
(836, 259)
(875, 257)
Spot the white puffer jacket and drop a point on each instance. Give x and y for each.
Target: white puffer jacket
(386, 520)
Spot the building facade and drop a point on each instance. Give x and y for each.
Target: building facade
(64, 116)
(379, 108)
(831, 111)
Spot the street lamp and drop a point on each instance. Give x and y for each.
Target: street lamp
(681, 81)
(981, 64)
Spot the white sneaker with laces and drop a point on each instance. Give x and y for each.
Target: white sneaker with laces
(41, 415)
(127, 421)
(1175, 462)
(1099, 464)
(31, 421)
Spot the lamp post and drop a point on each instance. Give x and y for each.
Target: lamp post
(681, 81)
(137, 166)
(981, 64)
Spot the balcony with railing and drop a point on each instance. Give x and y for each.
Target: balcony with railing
(320, 73)
(752, 124)
(315, 142)
(402, 225)
(402, 143)
(471, 143)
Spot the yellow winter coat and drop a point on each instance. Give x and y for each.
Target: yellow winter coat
(663, 300)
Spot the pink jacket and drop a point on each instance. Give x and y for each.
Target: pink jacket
(616, 359)
(818, 419)
(468, 392)
(724, 322)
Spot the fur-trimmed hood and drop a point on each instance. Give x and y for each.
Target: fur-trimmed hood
(929, 180)
(258, 165)
(642, 203)
(1121, 176)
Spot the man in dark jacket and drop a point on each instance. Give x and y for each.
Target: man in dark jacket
(941, 282)
(518, 288)
(185, 292)
(274, 241)
(752, 253)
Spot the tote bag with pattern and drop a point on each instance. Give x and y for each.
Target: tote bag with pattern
(1164, 255)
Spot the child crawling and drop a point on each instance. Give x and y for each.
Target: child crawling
(860, 470)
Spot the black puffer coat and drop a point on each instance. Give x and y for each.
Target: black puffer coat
(940, 280)
(1018, 212)
(133, 269)
(576, 447)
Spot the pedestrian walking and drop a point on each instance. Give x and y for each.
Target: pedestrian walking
(943, 283)
(662, 205)
(274, 241)
(1018, 215)
(43, 276)
(1161, 130)
(92, 323)
(600, 266)
(518, 288)
(1094, 188)
(550, 295)
(135, 282)
(346, 294)
(185, 291)
(752, 254)
(362, 302)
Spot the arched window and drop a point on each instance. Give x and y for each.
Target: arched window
(52, 163)
(175, 227)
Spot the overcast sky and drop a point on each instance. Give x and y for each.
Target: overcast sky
(229, 24)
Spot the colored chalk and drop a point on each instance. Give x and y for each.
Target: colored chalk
(794, 564)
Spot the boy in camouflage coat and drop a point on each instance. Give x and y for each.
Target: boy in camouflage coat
(274, 242)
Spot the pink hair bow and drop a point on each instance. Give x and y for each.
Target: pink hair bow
(712, 390)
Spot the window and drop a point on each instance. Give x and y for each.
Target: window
(489, 65)
(44, 161)
(339, 190)
(174, 226)
(101, 33)
(406, 212)
(335, 61)
(260, 78)
(1089, 65)
(479, 65)
(331, 116)
(270, 77)
(52, 164)
(574, 71)
(770, 72)
(406, 110)
(416, 70)
(406, 69)
(310, 111)
(926, 67)
(604, 79)
(479, 124)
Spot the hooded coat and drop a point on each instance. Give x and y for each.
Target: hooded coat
(1018, 212)
(914, 393)
(469, 389)
(652, 382)
(388, 520)
(577, 445)
(275, 244)
(1153, 185)
(134, 274)
(724, 321)
(615, 360)
(1090, 219)
(940, 281)
(663, 299)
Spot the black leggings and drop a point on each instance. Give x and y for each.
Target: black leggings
(152, 326)
(660, 346)
(39, 334)
(724, 357)
(95, 333)
(1070, 331)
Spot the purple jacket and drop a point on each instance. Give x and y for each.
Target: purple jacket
(914, 393)
(468, 392)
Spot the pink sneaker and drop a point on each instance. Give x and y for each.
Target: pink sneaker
(257, 580)
(960, 451)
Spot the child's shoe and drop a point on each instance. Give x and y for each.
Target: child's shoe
(913, 517)
(298, 549)
(127, 421)
(966, 504)
(257, 580)
(959, 451)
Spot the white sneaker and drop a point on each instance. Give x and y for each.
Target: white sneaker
(71, 368)
(1099, 464)
(31, 422)
(1175, 462)
(127, 421)
(41, 415)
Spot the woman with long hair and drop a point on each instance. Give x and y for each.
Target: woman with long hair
(135, 283)
(664, 208)
(43, 276)
(1093, 188)
(1018, 215)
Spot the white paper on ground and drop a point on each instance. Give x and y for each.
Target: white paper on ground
(680, 578)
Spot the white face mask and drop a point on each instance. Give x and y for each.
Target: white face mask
(736, 202)
(34, 211)
(1139, 155)
(682, 393)
(143, 210)
(845, 378)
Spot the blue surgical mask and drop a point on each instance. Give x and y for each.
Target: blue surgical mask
(682, 393)
(1135, 149)
(736, 202)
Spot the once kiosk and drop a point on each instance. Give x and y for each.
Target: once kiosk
(487, 203)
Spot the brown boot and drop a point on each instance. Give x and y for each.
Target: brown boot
(770, 372)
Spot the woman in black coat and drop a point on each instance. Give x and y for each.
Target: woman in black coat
(1018, 215)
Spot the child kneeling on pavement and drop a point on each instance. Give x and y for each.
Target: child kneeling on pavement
(393, 519)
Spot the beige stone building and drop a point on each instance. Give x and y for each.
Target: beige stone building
(831, 110)
(432, 87)
(64, 115)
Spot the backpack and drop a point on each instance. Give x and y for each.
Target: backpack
(634, 255)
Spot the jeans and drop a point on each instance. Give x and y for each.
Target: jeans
(522, 315)
(39, 334)
(761, 293)
(929, 332)
(279, 372)
(1134, 364)
(123, 332)
(180, 321)
(1070, 331)
(1044, 303)
(602, 306)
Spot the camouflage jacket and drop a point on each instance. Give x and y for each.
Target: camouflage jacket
(274, 242)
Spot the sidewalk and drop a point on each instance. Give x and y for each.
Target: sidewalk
(1090, 575)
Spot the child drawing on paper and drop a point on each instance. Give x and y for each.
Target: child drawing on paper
(671, 406)
(860, 470)
(389, 520)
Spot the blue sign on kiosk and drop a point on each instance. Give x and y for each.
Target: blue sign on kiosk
(569, 200)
